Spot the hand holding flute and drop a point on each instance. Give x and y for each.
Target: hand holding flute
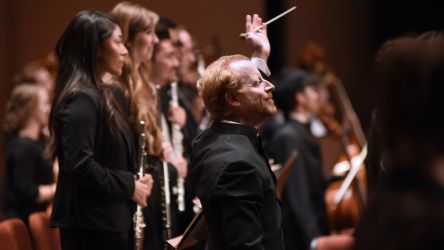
(142, 190)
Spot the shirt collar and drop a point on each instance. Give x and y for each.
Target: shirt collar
(231, 127)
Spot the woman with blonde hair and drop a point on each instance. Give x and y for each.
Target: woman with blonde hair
(138, 34)
(138, 24)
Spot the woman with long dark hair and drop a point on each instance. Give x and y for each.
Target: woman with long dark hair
(96, 191)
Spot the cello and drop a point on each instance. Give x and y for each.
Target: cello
(345, 197)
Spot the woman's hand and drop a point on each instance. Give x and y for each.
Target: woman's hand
(142, 190)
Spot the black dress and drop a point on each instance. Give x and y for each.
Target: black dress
(26, 169)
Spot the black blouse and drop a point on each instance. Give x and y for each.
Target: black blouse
(26, 169)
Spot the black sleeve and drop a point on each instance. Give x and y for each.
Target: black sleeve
(78, 124)
(22, 164)
(240, 200)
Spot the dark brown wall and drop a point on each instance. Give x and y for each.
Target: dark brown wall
(37, 26)
(5, 68)
(343, 28)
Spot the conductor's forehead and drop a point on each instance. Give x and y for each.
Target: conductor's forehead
(244, 67)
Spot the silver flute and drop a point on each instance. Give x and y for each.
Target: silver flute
(165, 190)
(176, 142)
(138, 219)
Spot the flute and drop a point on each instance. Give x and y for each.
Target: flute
(176, 142)
(139, 221)
(165, 190)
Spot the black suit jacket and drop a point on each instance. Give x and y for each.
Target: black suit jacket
(235, 184)
(95, 182)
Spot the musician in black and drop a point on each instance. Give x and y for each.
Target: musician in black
(405, 209)
(141, 98)
(96, 190)
(29, 183)
(303, 197)
(176, 120)
(305, 218)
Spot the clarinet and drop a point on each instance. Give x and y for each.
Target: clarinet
(176, 142)
(139, 223)
(165, 192)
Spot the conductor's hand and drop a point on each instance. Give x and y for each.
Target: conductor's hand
(258, 40)
(142, 190)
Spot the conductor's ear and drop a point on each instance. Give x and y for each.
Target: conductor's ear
(232, 98)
